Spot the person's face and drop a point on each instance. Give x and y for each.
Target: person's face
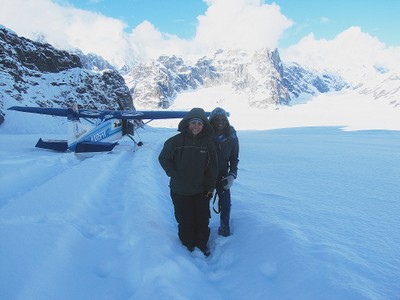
(219, 123)
(195, 127)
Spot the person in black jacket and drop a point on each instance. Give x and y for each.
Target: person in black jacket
(227, 145)
(190, 160)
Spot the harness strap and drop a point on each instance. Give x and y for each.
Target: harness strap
(219, 207)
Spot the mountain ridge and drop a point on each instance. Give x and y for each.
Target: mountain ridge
(35, 73)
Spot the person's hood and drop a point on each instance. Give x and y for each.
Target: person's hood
(219, 112)
(198, 113)
(229, 131)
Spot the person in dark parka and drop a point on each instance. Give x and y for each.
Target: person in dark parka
(190, 160)
(227, 146)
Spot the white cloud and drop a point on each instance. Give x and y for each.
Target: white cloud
(65, 26)
(247, 24)
(325, 20)
(352, 52)
(148, 42)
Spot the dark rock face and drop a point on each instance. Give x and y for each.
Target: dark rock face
(34, 73)
(36, 56)
(300, 81)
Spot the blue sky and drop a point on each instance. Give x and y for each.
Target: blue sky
(329, 18)
(325, 18)
(173, 16)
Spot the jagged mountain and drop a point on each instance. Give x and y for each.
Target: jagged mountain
(302, 82)
(385, 86)
(37, 73)
(260, 75)
(92, 61)
(33, 73)
(154, 84)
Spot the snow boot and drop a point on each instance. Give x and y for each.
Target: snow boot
(224, 231)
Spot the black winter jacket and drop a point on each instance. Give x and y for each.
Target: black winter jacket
(228, 154)
(191, 161)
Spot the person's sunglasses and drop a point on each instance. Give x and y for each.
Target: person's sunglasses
(219, 120)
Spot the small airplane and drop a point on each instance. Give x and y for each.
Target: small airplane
(103, 130)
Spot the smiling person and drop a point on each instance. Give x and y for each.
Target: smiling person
(227, 145)
(190, 160)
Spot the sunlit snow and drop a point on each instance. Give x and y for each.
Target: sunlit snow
(315, 211)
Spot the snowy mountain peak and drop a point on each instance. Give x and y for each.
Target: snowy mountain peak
(259, 75)
(37, 74)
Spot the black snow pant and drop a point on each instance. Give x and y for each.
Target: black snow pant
(193, 216)
(225, 207)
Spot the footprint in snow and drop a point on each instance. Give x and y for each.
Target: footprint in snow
(269, 269)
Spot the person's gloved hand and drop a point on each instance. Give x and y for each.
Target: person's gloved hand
(227, 181)
(209, 195)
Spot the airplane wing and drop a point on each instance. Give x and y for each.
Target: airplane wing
(102, 114)
(62, 112)
(162, 114)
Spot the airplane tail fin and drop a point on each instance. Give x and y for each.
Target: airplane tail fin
(75, 128)
(73, 113)
(63, 145)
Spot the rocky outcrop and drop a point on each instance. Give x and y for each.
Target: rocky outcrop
(300, 81)
(260, 75)
(37, 74)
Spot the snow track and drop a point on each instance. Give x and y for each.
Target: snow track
(81, 213)
(85, 201)
(99, 210)
(103, 227)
